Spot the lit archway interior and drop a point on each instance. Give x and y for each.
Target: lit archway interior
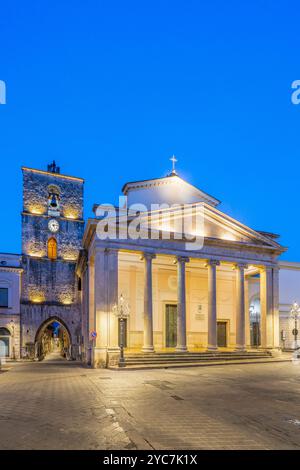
(53, 338)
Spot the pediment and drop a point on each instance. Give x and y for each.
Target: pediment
(168, 190)
(215, 226)
(218, 225)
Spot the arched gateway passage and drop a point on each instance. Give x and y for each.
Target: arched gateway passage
(53, 336)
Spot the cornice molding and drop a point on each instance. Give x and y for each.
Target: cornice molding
(49, 173)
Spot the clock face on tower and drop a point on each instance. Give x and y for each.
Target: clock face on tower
(53, 225)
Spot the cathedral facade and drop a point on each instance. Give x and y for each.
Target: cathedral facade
(128, 282)
(179, 296)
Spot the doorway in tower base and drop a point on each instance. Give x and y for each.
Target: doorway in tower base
(53, 337)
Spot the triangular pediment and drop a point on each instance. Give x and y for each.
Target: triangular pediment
(168, 190)
(221, 226)
(214, 225)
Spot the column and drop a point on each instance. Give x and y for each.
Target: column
(181, 304)
(148, 304)
(276, 326)
(99, 345)
(212, 304)
(240, 307)
(247, 313)
(266, 305)
(112, 299)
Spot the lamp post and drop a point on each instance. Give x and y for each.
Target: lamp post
(295, 311)
(121, 310)
(254, 325)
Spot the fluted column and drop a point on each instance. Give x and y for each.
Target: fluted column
(148, 304)
(212, 304)
(181, 303)
(240, 307)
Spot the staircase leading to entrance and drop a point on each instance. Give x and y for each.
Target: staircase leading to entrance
(190, 359)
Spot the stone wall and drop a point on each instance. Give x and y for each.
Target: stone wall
(35, 316)
(49, 281)
(35, 193)
(35, 235)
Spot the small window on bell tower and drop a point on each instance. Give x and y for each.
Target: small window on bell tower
(52, 248)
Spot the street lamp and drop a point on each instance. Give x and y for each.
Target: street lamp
(295, 311)
(121, 311)
(254, 326)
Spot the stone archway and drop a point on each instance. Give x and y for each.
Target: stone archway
(53, 336)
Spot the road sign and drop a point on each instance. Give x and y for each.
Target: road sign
(93, 334)
(295, 332)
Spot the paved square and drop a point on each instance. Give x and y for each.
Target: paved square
(62, 405)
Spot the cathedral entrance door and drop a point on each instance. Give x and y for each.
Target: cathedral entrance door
(171, 325)
(222, 334)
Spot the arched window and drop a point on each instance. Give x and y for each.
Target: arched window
(52, 248)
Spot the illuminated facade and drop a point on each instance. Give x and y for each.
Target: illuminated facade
(52, 230)
(230, 294)
(180, 299)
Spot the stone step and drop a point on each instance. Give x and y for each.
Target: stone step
(185, 357)
(194, 353)
(164, 361)
(170, 365)
(195, 357)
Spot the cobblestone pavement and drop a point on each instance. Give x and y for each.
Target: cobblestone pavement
(62, 405)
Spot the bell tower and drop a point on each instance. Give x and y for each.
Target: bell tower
(52, 230)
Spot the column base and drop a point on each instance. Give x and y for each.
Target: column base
(148, 349)
(181, 349)
(212, 348)
(99, 358)
(240, 348)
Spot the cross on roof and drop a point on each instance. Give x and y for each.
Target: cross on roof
(173, 160)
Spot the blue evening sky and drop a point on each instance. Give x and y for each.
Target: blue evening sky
(111, 89)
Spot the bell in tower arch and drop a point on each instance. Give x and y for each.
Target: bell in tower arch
(53, 200)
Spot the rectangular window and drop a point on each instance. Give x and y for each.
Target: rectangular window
(3, 297)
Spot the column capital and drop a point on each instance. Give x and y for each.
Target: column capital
(181, 259)
(212, 262)
(240, 266)
(148, 256)
(111, 250)
(99, 249)
(265, 268)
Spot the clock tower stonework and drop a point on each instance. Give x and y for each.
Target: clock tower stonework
(52, 230)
